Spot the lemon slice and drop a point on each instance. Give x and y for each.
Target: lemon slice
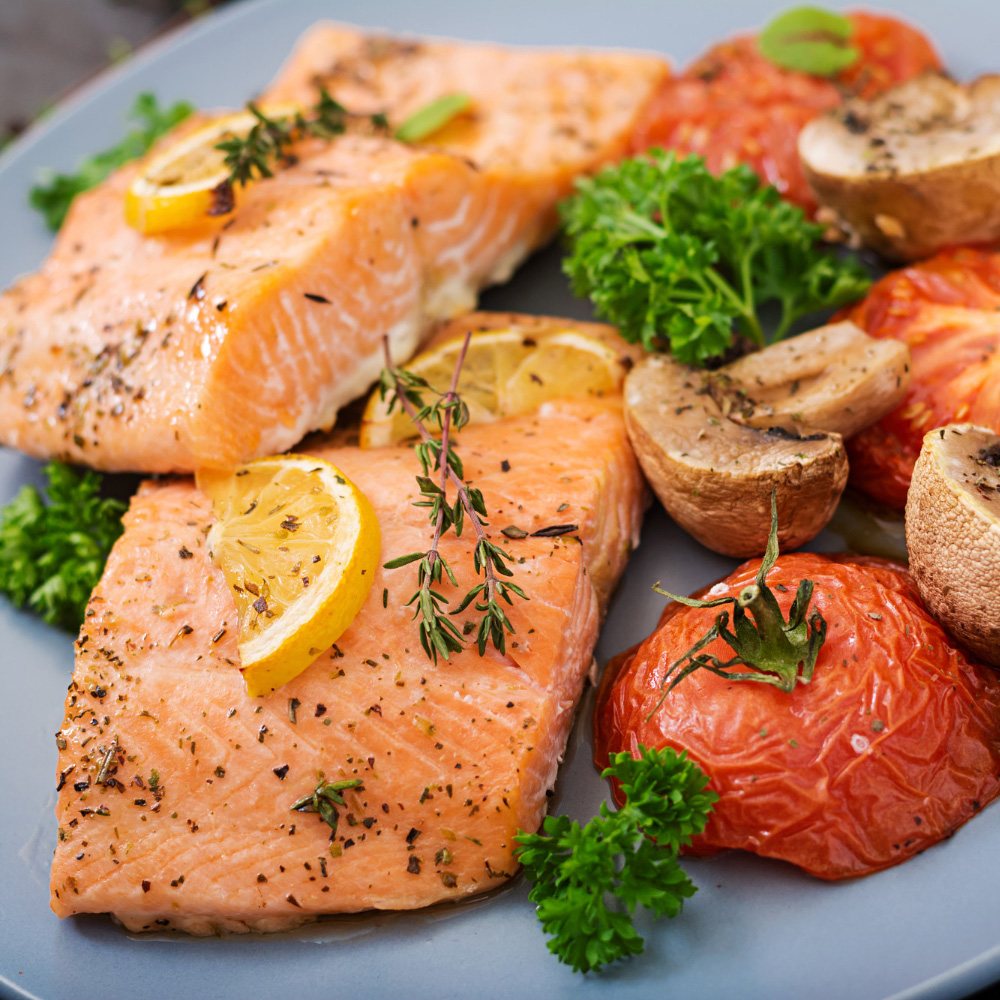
(505, 372)
(298, 544)
(177, 187)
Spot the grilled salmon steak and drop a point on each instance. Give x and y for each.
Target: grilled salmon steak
(176, 789)
(211, 345)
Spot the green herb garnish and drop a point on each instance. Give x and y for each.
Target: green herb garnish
(52, 555)
(629, 855)
(810, 40)
(670, 253)
(267, 143)
(432, 117)
(780, 652)
(449, 413)
(325, 799)
(53, 197)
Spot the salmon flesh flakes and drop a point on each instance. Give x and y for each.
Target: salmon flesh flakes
(408, 779)
(232, 339)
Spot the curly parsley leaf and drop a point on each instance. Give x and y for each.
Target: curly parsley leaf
(53, 197)
(628, 856)
(52, 555)
(672, 254)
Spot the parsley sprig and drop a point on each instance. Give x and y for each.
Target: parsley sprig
(52, 555)
(53, 197)
(628, 856)
(448, 412)
(672, 254)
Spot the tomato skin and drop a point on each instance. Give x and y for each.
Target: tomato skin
(734, 106)
(890, 748)
(946, 309)
(891, 52)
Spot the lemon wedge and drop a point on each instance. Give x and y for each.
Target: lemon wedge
(298, 544)
(506, 372)
(180, 185)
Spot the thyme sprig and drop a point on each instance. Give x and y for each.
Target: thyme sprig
(779, 652)
(270, 139)
(325, 799)
(448, 412)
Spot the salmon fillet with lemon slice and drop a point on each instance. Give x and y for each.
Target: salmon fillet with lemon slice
(210, 345)
(191, 827)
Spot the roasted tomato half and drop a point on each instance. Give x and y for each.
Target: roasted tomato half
(888, 749)
(734, 106)
(947, 309)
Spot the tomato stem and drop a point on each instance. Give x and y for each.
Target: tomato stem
(780, 652)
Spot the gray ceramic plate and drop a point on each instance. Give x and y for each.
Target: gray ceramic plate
(930, 928)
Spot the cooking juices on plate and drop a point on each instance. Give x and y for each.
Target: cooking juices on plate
(375, 188)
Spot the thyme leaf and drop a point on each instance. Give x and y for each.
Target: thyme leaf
(268, 143)
(439, 636)
(325, 799)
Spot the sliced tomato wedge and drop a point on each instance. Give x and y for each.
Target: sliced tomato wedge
(947, 309)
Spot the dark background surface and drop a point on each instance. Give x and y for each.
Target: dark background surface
(47, 47)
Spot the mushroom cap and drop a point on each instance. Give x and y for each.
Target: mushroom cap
(953, 534)
(835, 377)
(914, 170)
(715, 444)
(715, 476)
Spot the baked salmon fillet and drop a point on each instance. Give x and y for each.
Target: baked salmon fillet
(175, 788)
(213, 345)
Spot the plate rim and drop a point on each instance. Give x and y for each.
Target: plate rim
(973, 974)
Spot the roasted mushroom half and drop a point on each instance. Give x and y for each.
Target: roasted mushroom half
(953, 534)
(713, 445)
(914, 170)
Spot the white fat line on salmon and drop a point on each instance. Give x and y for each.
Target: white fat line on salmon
(462, 252)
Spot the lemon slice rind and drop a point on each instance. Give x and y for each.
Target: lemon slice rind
(176, 187)
(506, 372)
(297, 620)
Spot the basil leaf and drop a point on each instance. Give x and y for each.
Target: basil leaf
(809, 40)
